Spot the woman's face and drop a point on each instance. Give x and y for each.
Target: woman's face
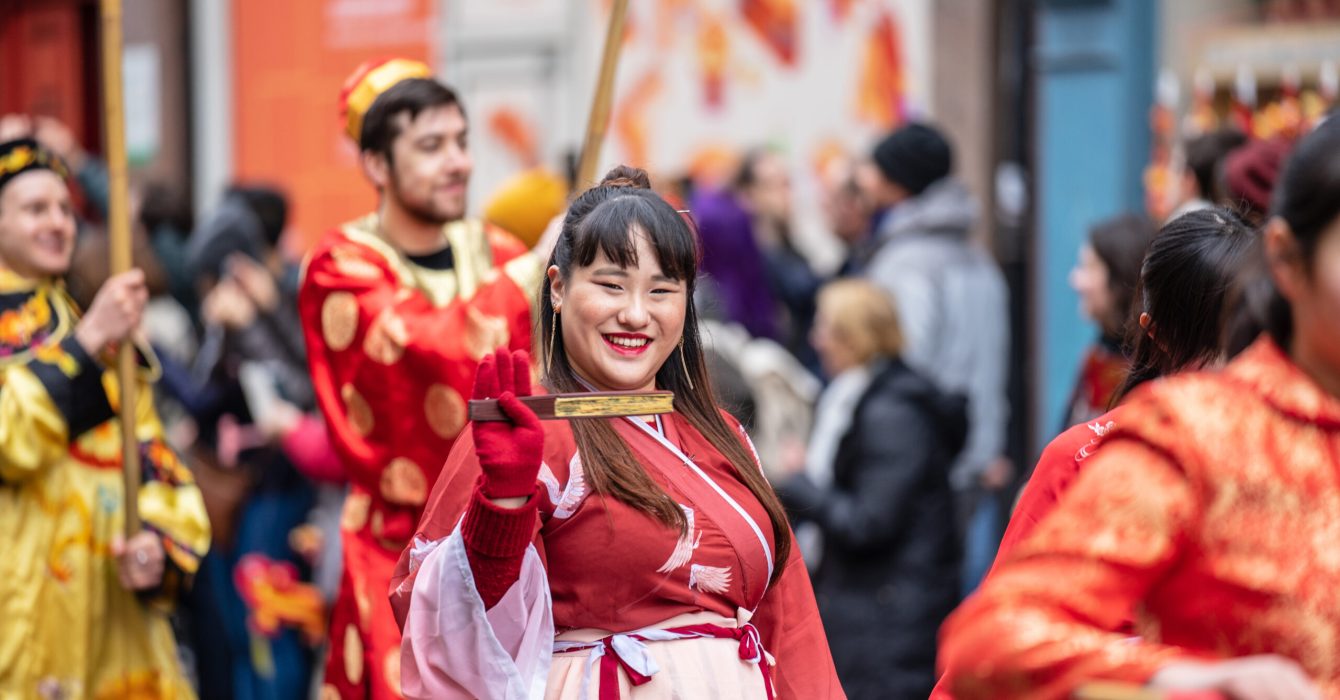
(619, 324)
(1314, 295)
(835, 356)
(1089, 279)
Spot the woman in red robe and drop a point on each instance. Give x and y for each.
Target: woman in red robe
(640, 557)
(1106, 277)
(1209, 515)
(1201, 255)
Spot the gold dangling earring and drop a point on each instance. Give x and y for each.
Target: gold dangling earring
(553, 331)
(685, 364)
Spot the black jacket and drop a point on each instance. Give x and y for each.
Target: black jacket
(889, 574)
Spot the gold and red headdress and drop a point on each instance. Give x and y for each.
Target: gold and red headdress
(368, 82)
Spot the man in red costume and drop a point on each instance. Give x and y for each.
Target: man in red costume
(397, 308)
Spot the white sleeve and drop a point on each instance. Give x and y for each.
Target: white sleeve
(453, 648)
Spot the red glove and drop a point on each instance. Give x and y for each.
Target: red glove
(509, 451)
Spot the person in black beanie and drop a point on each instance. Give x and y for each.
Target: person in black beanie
(913, 157)
(953, 302)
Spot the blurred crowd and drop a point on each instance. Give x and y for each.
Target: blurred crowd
(875, 392)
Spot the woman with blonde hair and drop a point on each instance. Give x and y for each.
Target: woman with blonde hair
(876, 483)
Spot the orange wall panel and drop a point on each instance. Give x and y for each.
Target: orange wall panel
(290, 60)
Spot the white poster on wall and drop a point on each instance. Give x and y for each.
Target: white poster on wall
(142, 78)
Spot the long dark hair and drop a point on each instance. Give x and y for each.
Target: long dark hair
(603, 220)
(1120, 242)
(1193, 264)
(1307, 198)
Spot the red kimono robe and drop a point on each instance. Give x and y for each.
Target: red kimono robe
(1057, 469)
(393, 348)
(615, 569)
(1209, 516)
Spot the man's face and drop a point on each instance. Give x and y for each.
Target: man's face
(877, 189)
(37, 225)
(770, 195)
(430, 170)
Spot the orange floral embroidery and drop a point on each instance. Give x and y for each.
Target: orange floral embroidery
(277, 598)
(137, 685)
(21, 325)
(54, 354)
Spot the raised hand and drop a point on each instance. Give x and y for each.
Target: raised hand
(57, 136)
(509, 451)
(115, 312)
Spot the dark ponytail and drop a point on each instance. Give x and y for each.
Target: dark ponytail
(1193, 264)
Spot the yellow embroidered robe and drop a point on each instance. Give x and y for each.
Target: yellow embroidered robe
(68, 629)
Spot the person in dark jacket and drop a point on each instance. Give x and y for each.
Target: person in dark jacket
(875, 482)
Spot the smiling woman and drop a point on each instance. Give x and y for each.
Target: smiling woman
(684, 563)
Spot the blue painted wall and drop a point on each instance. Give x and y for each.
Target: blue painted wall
(1094, 73)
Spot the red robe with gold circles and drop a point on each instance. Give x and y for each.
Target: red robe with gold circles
(393, 347)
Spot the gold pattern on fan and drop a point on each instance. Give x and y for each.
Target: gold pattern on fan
(595, 404)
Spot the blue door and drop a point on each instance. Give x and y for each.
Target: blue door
(1093, 66)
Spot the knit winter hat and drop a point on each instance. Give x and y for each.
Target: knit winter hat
(914, 156)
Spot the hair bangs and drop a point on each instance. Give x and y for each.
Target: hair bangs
(611, 228)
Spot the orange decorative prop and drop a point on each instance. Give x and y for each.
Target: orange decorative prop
(511, 128)
(776, 23)
(841, 8)
(713, 56)
(630, 121)
(277, 598)
(879, 97)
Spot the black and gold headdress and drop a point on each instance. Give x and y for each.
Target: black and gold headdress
(21, 155)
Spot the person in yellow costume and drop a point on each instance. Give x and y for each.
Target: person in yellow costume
(83, 612)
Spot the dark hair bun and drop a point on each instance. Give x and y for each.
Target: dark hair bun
(627, 176)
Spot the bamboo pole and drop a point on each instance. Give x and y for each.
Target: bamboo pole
(118, 231)
(603, 102)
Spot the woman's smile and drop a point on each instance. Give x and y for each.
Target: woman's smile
(631, 344)
(619, 324)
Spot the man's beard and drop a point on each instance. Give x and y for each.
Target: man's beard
(423, 212)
